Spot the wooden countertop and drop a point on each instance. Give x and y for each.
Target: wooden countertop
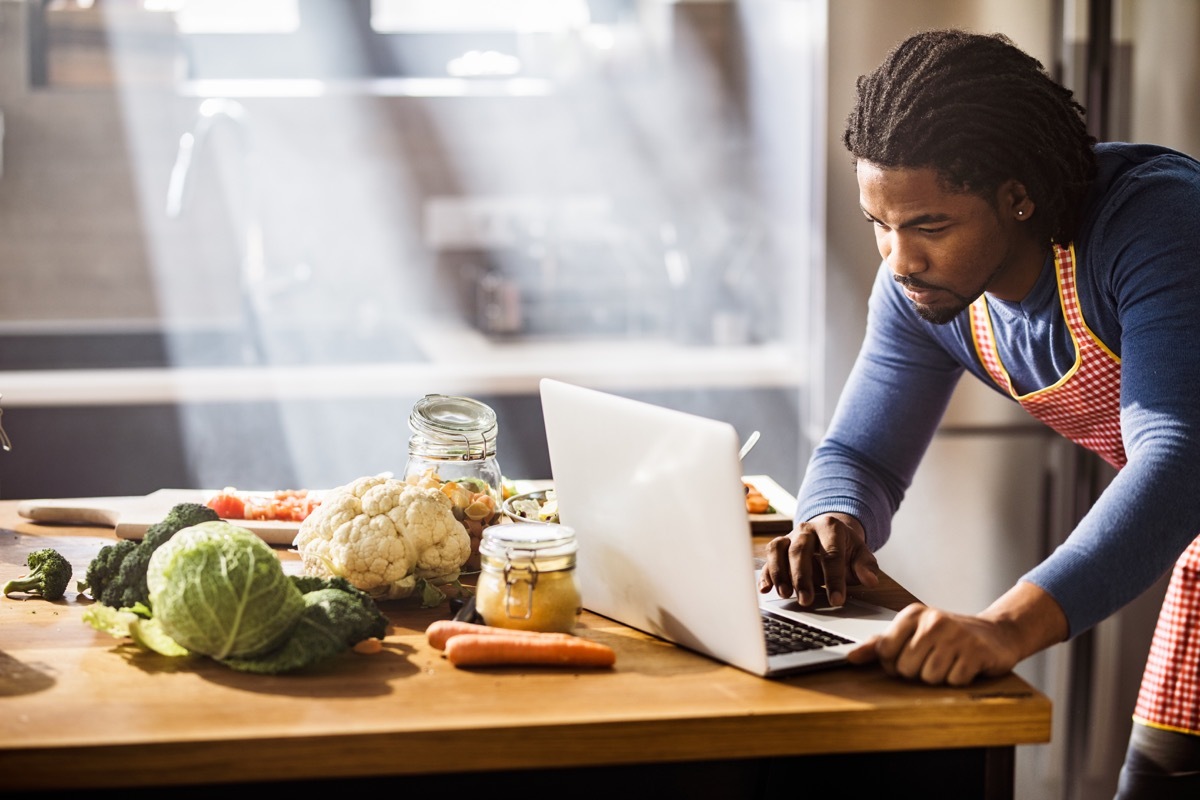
(79, 708)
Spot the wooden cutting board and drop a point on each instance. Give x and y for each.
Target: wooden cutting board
(131, 516)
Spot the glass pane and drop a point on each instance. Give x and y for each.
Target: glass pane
(310, 224)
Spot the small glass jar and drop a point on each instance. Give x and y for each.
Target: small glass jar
(453, 448)
(527, 579)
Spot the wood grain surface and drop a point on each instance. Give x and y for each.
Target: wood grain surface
(80, 707)
(129, 517)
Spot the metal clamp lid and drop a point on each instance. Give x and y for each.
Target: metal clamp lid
(528, 547)
(448, 420)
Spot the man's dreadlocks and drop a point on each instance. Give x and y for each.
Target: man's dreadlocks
(978, 111)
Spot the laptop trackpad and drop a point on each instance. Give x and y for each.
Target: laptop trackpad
(855, 620)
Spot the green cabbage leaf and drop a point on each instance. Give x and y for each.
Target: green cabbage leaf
(219, 590)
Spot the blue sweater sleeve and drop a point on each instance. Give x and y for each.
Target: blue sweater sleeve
(890, 408)
(1139, 282)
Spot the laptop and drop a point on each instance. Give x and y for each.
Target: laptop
(656, 499)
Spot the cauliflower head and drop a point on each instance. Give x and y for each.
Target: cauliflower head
(384, 536)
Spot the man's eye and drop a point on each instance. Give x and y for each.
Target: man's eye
(932, 230)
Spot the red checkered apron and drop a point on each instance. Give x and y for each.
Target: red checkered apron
(1085, 407)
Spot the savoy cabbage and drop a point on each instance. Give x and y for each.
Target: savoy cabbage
(218, 590)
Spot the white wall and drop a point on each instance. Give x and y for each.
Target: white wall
(1164, 108)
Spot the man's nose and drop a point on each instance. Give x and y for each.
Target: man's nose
(902, 259)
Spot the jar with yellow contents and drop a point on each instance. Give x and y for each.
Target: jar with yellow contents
(527, 578)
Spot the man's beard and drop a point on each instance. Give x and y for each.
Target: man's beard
(945, 314)
(942, 315)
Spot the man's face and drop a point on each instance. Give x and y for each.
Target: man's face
(945, 247)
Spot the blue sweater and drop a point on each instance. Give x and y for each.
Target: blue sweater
(1138, 269)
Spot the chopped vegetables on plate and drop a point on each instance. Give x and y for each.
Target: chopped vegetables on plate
(285, 505)
(756, 501)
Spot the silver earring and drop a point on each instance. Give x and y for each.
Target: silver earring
(1020, 213)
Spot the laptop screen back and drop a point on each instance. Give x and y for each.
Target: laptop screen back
(657, 503)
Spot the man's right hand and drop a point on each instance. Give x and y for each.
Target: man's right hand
(831, 548)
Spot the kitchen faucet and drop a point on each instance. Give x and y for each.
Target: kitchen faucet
(253, 267)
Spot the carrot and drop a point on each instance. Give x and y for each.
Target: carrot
(369, 647)
(440, 631)
(474, 649)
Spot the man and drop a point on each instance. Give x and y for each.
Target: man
(1066, 275)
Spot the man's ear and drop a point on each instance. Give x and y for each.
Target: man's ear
(1013, 201)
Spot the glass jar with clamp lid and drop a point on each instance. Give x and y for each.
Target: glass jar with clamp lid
(527, 580)
(452, 447)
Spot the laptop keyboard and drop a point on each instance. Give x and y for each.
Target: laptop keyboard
(790, 636)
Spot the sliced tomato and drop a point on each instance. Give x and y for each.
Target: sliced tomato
(292, 505)
(228, 506)
(298, 508)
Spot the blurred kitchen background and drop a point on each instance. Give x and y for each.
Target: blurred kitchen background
(241, 239)
(238, 240)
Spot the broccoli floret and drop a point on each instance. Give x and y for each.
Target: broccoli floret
(128, 586)
(355, 624)
(104, 568)
(49, 575)
(371, 622)
(183, 515)
(337, 616)
(312, 583)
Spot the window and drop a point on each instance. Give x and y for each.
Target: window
(459, 199)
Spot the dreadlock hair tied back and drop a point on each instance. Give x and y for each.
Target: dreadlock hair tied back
(978, 111)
